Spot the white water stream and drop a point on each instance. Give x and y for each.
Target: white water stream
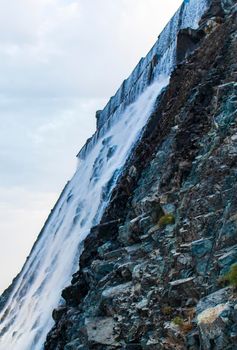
(26, 317)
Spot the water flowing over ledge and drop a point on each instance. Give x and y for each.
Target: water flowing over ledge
(160, 59)
(26, 317)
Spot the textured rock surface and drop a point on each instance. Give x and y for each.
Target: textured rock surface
(146, 286)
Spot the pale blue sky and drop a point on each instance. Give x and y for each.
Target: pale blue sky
(60, 61)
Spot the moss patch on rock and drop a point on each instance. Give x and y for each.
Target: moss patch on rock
(165, 220)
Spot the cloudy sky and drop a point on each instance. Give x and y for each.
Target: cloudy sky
(60, 61)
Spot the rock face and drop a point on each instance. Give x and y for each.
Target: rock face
(143, 285)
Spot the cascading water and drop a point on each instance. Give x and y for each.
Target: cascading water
(26, 317)
(55, 257)
(160, 60)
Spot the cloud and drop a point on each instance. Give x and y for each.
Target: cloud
(60, 61)
(78, 48)
(21, 214)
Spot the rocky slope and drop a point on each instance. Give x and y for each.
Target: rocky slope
(150, 274)
(26, 306)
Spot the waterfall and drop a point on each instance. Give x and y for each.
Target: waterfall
(159, 60)
(26, 318)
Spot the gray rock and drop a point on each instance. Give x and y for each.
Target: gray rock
(75, 345)
(117, 290)
(117, 253)
(101, 330)
(184, 259)
(104, 248)
(125, 270)
(145, 224)
(227, 259)
(125, 235)
(151, 205)
(191, 173)
(213, 326)
(201, 247)
(180, 282)
(102, 268)
(212, 300)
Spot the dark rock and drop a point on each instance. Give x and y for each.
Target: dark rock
(58, 313)
(187, 42)
(101, 268)
(74, 294)
(201, 247)
(226, 260)
(108, 246)
(143, 286)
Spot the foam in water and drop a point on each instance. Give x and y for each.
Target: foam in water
(26, 318)
(55, 257)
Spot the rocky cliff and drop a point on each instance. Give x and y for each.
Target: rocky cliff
(26, 306)
(159, 270)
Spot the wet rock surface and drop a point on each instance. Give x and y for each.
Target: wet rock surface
(143, 285)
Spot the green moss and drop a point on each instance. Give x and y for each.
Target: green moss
(178, 321)
(167, 219)
(231, 276)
